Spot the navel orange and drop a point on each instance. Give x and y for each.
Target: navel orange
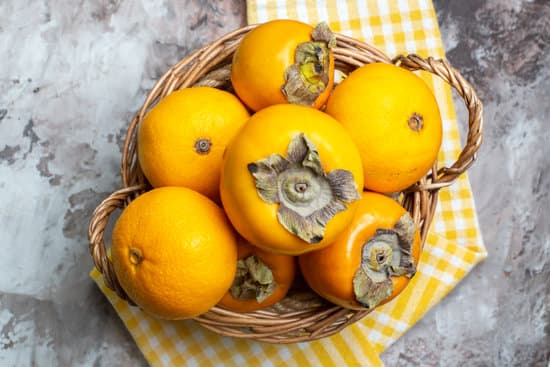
(174, 252)
(394, 119)
(182, 139)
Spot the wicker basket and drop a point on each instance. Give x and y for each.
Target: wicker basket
(301, 316)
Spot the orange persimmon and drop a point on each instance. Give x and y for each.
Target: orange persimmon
(284, 61)
(262, 279)
(372, 261)
(290, 179)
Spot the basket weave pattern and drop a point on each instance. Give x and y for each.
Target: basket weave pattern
(301, 316)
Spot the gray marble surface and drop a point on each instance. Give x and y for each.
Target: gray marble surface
(71, 76)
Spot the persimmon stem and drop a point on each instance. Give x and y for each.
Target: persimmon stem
(388, 253)
(254, 279)
(308, 77)
(308, 197)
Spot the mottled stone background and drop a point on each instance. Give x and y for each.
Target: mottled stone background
(72, 73)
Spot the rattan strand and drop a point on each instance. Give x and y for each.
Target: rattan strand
(297, 318)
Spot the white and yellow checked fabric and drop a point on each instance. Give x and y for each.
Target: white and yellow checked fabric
(452, 249)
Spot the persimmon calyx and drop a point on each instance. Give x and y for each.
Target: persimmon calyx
(307, 196)
(253, 279)
(309, 76)
(387, 254)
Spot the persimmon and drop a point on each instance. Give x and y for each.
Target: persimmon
(394, 119)
(262, 279)
(372, 261)
(284, 61)
(290, 179)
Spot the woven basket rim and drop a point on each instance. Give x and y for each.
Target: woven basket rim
(209, 66)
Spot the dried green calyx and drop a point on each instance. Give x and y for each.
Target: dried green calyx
(387, 254)
(308, 197)
(253, 279)
(309, 76)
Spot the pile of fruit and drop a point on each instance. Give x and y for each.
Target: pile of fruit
(290, 173)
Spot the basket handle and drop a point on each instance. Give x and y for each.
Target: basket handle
(441, 68)
(96, 232)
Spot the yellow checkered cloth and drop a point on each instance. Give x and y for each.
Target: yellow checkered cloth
(453, 247)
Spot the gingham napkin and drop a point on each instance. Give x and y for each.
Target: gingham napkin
(453, 247)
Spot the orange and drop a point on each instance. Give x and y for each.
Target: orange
(182, 139)
(394, 119)
(291, 203)
(330, 271)
(174, 252)
(263, 57)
